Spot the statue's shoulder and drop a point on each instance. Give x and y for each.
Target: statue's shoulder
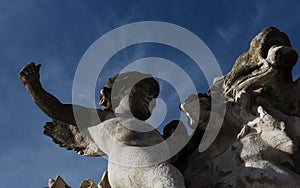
(131, 131)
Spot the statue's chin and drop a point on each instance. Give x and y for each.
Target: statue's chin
(140, 112)
(139, 108)
(142, 116)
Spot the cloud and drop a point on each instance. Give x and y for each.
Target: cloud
(27, 163)
(259, 13)
(229, 33)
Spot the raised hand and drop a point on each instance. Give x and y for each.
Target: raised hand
(30, 73)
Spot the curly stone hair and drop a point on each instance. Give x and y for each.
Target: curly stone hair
(123, 82)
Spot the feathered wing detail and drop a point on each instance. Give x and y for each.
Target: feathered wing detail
(69, 137)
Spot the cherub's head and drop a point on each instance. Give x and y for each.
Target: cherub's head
(130, 91)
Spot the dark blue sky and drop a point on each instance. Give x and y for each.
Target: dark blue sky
(56, 34)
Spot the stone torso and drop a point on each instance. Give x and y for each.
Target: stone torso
(137, 154)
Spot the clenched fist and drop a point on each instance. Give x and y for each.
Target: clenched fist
(30, 73)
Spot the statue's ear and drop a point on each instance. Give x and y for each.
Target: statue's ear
(105, 98)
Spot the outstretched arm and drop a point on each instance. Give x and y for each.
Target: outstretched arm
(49, 104)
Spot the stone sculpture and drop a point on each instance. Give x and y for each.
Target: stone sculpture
(134, 158)
(258, 144)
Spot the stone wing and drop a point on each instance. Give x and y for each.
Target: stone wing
(69, 137)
